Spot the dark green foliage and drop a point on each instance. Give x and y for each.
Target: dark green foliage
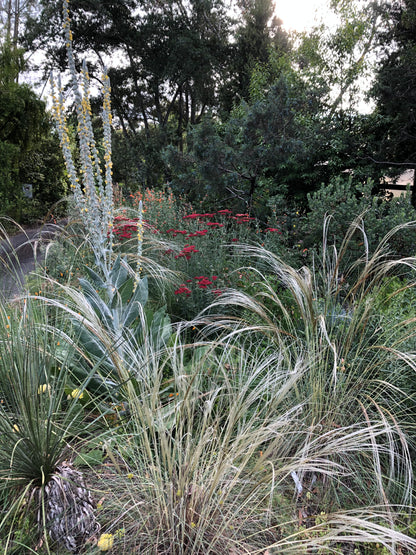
(173, 56)
(9, 158)
(395, 91)
(21, 123)
(344, 199)
(138, 159)
(29, 152)
(259, 33)
(43, 167)
(258, 152)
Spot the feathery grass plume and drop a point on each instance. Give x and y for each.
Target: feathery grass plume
(357, 409)
(241, 443)
(93, 196)
(209, 451)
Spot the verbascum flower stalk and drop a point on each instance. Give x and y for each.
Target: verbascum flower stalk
(139, 245)
(60, 121)
(108, 201)
(93, 196)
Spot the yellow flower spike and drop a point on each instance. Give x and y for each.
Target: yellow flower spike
(105, 542)
(16, 428)
(130, 476)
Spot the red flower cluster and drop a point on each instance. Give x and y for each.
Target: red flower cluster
(186, 252)
(198, 216)
(273, 229)
(204, 281)
(176, 232)
(215, 224)
(199, 233)
(242, 218)
(125, 227)
(183, 290)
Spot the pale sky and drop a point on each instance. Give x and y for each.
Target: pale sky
(300, 15)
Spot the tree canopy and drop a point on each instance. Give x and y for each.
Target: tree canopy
(394, 91)
(229, 103)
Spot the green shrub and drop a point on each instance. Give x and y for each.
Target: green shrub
(344, 200)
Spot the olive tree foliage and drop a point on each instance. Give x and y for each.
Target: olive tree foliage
(342, 54)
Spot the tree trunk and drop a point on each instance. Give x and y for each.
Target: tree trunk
(253, 184)
(16, 22)
(8, 20)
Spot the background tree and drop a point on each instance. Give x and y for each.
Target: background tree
(341, 55)
(298, 126)
(258, 33)
(28, 151)
(13, 14)
(177, 63)
(165, 62)
(256, 154)
(395, 92)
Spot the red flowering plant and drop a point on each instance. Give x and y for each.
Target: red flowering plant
(161, 208)
(207, 257)
(199, 246)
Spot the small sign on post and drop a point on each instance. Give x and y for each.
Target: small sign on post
(27, 189)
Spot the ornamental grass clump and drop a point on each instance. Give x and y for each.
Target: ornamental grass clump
(355, 425)
(220, 454)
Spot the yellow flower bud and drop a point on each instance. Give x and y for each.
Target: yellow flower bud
(105, 542)
(43, 388)
(77, 394)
